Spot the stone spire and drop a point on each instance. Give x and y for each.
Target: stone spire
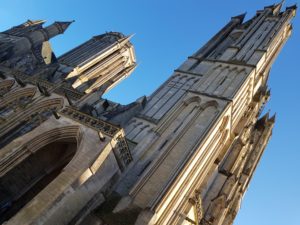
(278, 7)
(292, 7)
(24, 42)
(114, 60)
(41, 35)
(240, 17)
(63, 26)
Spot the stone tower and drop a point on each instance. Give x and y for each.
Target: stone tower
(183, 155)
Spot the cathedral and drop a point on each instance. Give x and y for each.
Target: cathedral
(183, 155)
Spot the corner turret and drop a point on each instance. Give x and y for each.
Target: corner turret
(22, 44)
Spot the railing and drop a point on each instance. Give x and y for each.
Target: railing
(90, 121)
(101, 126)
(123, 149)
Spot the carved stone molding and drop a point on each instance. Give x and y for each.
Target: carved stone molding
(92, 122)
(196, 200)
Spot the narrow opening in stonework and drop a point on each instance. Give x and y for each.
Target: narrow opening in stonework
(22, 183)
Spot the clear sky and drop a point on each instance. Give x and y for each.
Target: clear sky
(166, 33)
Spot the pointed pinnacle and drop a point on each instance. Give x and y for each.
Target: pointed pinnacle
(126, 39)
(292, 7)
(131, 68)
(268, 114)
(273, 119)
(240, 17)
(265, 117)
(63, 26)
(275, 7)
(278, 7)
(269, 6)
(131, 35)
(280, 3)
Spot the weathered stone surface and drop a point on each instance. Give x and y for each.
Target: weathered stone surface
(184, 155)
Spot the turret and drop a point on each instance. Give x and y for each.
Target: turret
(39, 36)
(24, 44)
(100, 62)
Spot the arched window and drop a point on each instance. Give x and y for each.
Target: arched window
(24, 179)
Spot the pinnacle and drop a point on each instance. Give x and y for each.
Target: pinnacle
(63, 26)
(265, 117)
(126, 39)
(270, 6)
(280, 3)
(130, 36)
(274, 6)
(240, 17)
(273, 118)
(292, 6)
(277, 7)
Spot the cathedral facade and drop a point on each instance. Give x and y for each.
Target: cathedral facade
(183, 155)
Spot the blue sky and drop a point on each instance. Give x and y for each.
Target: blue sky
(166, 33)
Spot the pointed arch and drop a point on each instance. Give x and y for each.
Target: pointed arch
(21, 97)
(188, 101)
(27, 170)
(25, 121)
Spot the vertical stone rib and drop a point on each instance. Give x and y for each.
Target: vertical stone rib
(218, 38)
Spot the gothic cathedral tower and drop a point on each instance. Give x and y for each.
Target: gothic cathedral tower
(184, 155)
